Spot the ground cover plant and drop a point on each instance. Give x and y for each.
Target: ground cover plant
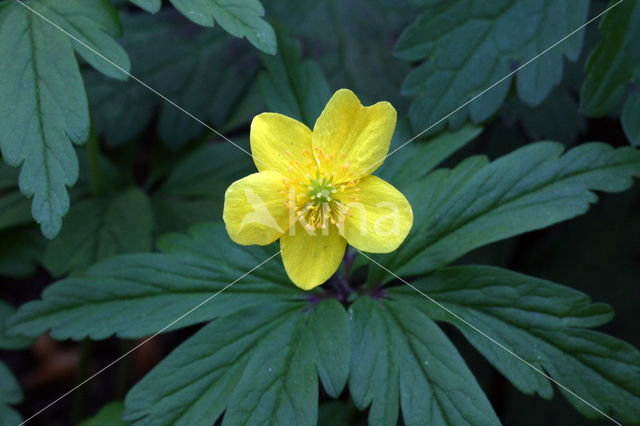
(382, 212)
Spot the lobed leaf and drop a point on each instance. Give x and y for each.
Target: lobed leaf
(202, 71)
(260, 363)
(290, 86)
(10, 393)
(101, 227)
(490, 39)
(478, 202)
(240, 18)
(43, 106)
(545, 324)
(400, 356)
(136, 295)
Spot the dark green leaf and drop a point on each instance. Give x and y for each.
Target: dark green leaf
(401, 168)
(477, 203)
(10, 342)
(292, 87)
(43, 106)
(544, 323)
(98, 228)
(613, 62)
(240, 18)
(261, 364)
(151, 6)
(138, 294)
(353, 41)
(10, 393)
(556, 118)
(490, 39)
(631, 117)
(202, 71)
(194, 191)
(400, 356)
(109, 415)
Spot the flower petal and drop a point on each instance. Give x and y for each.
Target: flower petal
(355, 135)
(255, 210)
(278, 141)
(310, 260)
(380, 219)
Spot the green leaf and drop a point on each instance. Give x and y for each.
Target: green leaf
(631, 117)
(202, 71)
(556, 118)
(21, 252)
(490, 39)
(10, 393)
(261, 364)
(240, 18)
(613, 62)
(479, 202)
(544, 323)
(151, 6)
(400, 356)
(6, 341)
(194, 191)
(402, 170)
(43, 106)
(292, 87)
(101, 227)
(357, 54)
(109, 415)
(136, 295)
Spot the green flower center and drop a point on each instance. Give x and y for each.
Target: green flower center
(321, 190)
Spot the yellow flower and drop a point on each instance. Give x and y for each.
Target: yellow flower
(314, 190)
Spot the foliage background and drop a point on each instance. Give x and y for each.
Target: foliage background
(145, 157)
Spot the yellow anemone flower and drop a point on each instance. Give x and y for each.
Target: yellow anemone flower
(314, 190)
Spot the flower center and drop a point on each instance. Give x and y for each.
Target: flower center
(315, 204)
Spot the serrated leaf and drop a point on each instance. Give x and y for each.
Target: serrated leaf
(479, 202)
(544, 323)
(261, 364)
(472, 44)
(187, 65)
(400, 356)
(6, 341)
(372, 72)
(151, 6)
(109, 415)
(240, 18)
(101, 227)
(95, 23)
(614, 60)
(21, 251)
(43, 106)
(10, 393)
(290, 86)
(136, 295)
(402, 170)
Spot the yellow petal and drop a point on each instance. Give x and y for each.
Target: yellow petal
(356, 136)
(310, 260)
(380, 219)
(255, 210)
(279, 143)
